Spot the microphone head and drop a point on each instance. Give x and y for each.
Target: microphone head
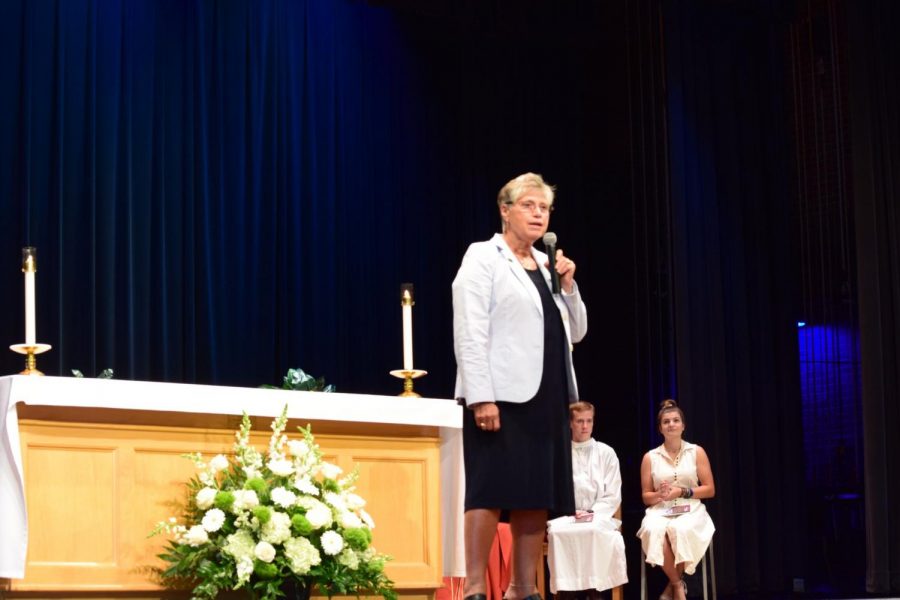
(549, 239)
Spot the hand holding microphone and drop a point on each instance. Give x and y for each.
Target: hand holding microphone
(562, 269)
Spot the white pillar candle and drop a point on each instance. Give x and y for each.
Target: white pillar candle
(29, 267)
(407, 331)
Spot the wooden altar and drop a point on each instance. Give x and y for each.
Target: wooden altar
(100, 463)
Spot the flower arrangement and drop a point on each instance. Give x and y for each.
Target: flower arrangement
(264, 522)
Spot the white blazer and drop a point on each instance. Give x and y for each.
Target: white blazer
(498, 325)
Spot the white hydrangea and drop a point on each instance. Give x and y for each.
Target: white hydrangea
(240, 545)
(330, 471)
(281, 467)
(349, 520)
(218, 463)
(195, 536)
(244, 500)
(205, 497)
(301, 554)
(283, 497)
(349, 559)
(332, 543)
(277, 529)
(213, 520)
(319, 516)
(265, 552)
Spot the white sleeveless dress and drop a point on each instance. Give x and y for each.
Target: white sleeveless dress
(689, 533)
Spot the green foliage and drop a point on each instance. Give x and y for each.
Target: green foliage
(300, 381)
(104, 374)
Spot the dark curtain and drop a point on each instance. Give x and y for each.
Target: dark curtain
(875, 130)
(734, 273)
(221, 190)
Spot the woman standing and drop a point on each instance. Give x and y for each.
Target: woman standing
(676, 529)
(513, 340)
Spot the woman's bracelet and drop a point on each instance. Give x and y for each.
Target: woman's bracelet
(687, 492)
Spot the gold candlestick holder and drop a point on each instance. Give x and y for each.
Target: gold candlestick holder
(407, 376)
(30, 351)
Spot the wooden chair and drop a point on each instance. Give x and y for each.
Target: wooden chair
(542, 583)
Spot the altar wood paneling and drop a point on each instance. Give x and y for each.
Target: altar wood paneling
(95, 491)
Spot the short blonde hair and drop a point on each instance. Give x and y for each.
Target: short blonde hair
(515, 188)
(578, 407)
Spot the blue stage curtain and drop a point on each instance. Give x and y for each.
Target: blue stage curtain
(220, 190)
(209, 184)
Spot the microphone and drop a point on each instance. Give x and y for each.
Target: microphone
(550, 244)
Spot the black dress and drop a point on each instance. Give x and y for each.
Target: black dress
(527, 464)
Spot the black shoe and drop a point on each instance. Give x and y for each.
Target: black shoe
(476, 597)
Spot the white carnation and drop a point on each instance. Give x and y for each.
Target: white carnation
(218, 463)
(319, 516)
(265, 552)
(213, 520)
(277, 529)
(206, 497)
(281, 467)
(349, 520)
(301, 554)
(244, 500)
(283, 498)
(195, 536)
(332, 543)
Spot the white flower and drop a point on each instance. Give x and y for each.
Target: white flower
(349, 520)
(244, 500)
(206, 497)
(319, 516)
(218, 463)
(213, 520)
(277, 529)
(367, 519)
(305, 485)
(281, 467)
(332, 542)
(335, 500)
(265, 552)
(349, 559)
(331, 471)
(240, 545)
(244, 568)
(298, 448)
(301, 554)
(207, 479)
(195, 536)
(283, 498)
(354, 501)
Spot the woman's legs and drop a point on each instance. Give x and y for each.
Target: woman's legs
(527, 528)
(480, 529)
(673, 572)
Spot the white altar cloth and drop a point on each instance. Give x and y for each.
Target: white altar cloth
(70, 392)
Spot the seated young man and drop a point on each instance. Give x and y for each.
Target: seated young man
(585, 551)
